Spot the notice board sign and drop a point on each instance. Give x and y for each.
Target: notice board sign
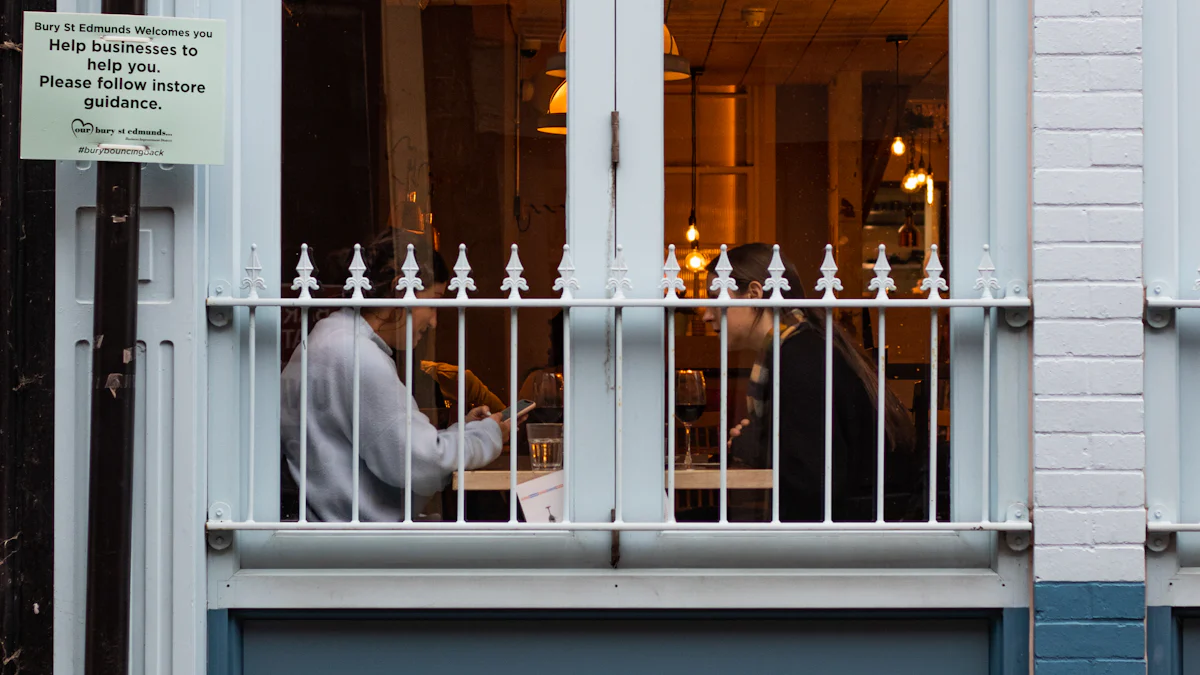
(123, 88)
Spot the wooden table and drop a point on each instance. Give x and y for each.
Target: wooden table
(692, 479)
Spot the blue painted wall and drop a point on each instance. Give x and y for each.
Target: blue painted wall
(1089, 628)
(585, 646)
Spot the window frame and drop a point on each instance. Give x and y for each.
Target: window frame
(607, 206)
(1170, 254)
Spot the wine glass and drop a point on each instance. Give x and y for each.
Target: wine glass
(690, 399)
(548, 395)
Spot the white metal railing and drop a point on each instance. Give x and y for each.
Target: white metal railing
(617, 285)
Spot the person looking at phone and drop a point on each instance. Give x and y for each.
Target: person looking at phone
(802, 402)
(384, 403)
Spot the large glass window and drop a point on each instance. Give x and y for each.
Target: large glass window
(434, 124)
(806, 123)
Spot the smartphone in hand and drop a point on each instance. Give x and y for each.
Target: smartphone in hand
(524, 406)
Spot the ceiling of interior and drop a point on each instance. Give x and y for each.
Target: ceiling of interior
(799, 41)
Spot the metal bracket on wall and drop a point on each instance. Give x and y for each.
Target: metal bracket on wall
(220, 316)
(220, 512)
(1017, 541)
(1017, 317)
(1159, 313)
(1158, 541)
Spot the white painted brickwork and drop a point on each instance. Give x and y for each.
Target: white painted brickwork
(1089, 444)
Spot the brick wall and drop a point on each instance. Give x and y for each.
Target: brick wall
(1089, 442)
(1087, 229)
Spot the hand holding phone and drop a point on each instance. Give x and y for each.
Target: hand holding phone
(524, 406)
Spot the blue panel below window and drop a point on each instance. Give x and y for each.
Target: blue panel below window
(1089, 628)
(586, 646)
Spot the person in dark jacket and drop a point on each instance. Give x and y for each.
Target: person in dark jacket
(802, 405)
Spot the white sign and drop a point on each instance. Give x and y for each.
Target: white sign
(122, 88)
(542, 498)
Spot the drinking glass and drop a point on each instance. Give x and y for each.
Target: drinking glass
(690, 400)
(545, 446)
(548, 395)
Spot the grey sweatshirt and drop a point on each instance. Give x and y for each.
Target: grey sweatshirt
(383, 401)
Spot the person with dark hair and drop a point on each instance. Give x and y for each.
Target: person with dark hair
(802, 401)
(384, 403)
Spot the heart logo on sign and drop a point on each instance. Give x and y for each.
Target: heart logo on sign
(78, 126)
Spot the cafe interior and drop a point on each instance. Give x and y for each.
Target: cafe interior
(797, 122)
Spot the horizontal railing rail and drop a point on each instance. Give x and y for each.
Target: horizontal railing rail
(1016, 307)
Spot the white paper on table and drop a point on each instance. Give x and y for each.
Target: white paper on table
(542, 498)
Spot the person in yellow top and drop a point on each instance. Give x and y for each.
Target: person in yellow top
(446, 376)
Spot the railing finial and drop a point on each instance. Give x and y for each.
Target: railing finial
(357, 282)
(253, 280)
(566, 281)
(829, 281)
(723, 283)
(778, 283)
(882, 283)
(618, 283)
(671, 281)
(515, 283)
(305, 282)
(410, 283)
(987, 281)
(934, 282)
(462, 281)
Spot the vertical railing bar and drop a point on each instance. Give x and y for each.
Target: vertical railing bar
(355, 422)
(253, 430)
(775, 346)
(985, 467)
(723, 438)
(881, 415)
(408, 413)
(669, 415)
(462, 423)
(619, 446)
(514, 394)
(303, 415)
(567, 444)
(829, 319)
(933, 411)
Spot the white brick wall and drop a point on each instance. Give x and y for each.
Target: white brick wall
(1089, 446)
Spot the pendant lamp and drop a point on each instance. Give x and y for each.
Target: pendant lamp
(675, 67)
(898, 147)
(555, 119)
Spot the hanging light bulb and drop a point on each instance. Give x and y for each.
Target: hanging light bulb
(695, 260)
(921, 173)
(929, 190)
(692, 233)
(898, 147)
(911, 182)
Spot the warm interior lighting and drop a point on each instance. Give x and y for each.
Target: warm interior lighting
(898, 147)
(675, 67)
(555, 119)
(929, 190)
(692, 233)
(696, 261)
(911, 182)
